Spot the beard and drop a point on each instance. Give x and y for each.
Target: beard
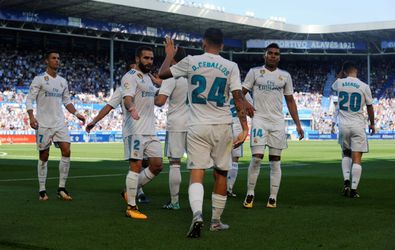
(145, 68)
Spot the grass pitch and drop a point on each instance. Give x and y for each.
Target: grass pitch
(311, 212)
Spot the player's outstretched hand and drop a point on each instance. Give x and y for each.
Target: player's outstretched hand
(300, 132)
(81, 118)
(169, 47)
(372, 129)
(240, 139)
(90, 126)
(133, 113)
(156, 80)
(249, 108)
(34, 123)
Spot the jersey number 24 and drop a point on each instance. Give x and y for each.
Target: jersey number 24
(216, 93)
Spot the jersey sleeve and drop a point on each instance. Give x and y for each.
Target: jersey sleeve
(249, 80)
(66, 99)
(368, 96)
(167, 87)
(129, 86)
(115, 99)
(288, 88)
(334, 85)
(181, 68)
(234, 78)
(33, 92)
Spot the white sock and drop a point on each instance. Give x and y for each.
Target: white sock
(174, 182)
(218, 204)
(275, 178)
(196, 193)
(42, 170)
(346, 167)
(145, 176)
(253, 172)
(356, 175)
(131, 187)
(64, 167)
(232, 175)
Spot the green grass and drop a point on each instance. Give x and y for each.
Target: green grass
(311, 213)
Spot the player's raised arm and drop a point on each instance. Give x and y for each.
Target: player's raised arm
(164, 71)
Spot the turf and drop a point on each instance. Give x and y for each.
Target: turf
(311, 213)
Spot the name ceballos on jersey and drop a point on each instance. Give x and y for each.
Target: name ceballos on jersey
(268, 86)
(215, 65)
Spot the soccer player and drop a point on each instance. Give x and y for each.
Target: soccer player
(115, 100)
(175, 90)
(211, 78)
(353, 95)
(139, 135)
(50, 91)
(268, 85)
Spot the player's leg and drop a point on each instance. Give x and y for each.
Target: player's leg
(43, 141)
(359, 145)
(275, 176)
(345, 144)
(133, 151)
(258, 141)
(64, 168)
(197, 145)
(221, 154)
(141, 196)
(152, 149)
(232, 175)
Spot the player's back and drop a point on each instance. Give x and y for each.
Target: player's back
(211, 78)
(353, 95)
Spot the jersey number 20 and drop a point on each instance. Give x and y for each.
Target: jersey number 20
(355, 101)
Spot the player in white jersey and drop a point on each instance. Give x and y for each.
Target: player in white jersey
(268, 85)
(114, 102)
(353, 95)
(50, 91)
(211, 79)
(138, 130)
(175, 91)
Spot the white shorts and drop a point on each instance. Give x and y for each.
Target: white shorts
(45, 137)
(140, 146)
(209, 145)
(175, 144)
(265, 134)
(353, 138)
(236, 130)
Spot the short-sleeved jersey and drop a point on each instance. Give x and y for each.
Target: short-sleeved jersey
(268, 89)
(211, 78)
(116, 98)
(177, 115)
(49, 93)
(353, 95)
(140, 87)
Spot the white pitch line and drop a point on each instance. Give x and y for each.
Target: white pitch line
(115, 175)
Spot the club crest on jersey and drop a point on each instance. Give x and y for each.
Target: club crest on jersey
(127, 85)
(135, 154)
(262, 71)
(280, 78)
(255, 140)
(46, 78)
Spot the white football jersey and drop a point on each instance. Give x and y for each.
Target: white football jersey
(211, 78)
(353, 96)
(140, 87)
(49, 93)
(268, 89)
(116, 98)
(177, 115)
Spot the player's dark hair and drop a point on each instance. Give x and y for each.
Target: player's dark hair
(49, 52)
(139, 50)
(180, 54)
(214, 36)
(348, 67)
(272, 45)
